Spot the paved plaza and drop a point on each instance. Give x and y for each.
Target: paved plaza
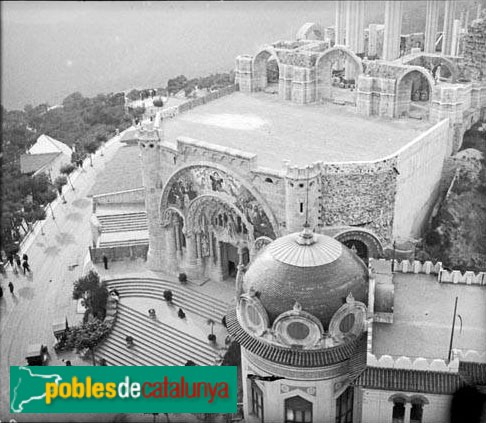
(58, 253)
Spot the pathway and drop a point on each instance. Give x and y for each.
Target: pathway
(58, 254)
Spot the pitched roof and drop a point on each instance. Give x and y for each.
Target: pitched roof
(288, 356)
(423, 381)
(410, 380)
(31, 163)
(45, 144)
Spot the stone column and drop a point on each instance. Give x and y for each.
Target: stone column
(177, 232)
(456, 37)
(449, 14)
(191, 266)
(408, 409)
(170, 250)
(198, 249)
(372, 40)
(393, 28)
(431, 23)
(355, 26)
(340, 23)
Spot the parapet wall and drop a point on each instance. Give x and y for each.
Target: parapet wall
(466, 278)
(120, 197)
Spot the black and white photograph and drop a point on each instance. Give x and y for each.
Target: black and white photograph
(292, 189)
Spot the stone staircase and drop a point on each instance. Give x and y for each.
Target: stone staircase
(155, 343)
(183, 296)
(123, 222)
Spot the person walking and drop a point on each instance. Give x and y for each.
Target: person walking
(10, 259)
(181, 314)
(105, 262)
(25, 257)
(26, 266)
(17, 261)
(11, 287)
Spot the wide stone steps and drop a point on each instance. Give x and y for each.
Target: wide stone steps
(122, 222)
(183, 296)
(155, 343)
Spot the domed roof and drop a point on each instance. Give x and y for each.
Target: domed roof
(314, 270)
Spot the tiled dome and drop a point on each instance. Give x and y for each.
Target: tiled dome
(314, 270)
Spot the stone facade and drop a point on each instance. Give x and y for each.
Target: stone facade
(475, 49)
(376, 406)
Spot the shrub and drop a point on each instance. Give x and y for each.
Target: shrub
(168, 295)
(212, 337)
(182, 278)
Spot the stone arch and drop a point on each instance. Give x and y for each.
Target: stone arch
(368, 238)
(419, 399)
(324, 64)
(260, 62)
(168, 212)
(398, 397)
(450, 65)
(173, 177)
(197, 208)
(432, 61)
(406, 84)
(310, 31)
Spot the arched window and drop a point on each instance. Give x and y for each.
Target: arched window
(269, 180)
(344, 406)
(398, 415)
(297, 409)
(417, 411)
(256, 401)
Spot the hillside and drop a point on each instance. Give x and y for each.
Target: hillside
(458, 232)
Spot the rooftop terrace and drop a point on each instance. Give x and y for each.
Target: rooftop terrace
(276, 130)
(423, 312)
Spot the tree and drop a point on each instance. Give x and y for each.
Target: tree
(168, 295)
(67, 169)
(91, 148)
(133, 95)
(93, 292)
(87, 336)
(59, 182)
(176, 84)
(158, 102)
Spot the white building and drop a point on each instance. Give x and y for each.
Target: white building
(326, 340)
(47, 156)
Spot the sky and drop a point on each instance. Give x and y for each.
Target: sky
(52, 49)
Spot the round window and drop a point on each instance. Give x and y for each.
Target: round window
(298, 330)
(347, 323)
(253, 315)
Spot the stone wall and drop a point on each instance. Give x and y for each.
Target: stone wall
(130, 196)
(475, 49)
(360, 195)
(419, 166)
(118, 253)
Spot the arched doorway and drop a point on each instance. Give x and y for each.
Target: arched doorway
(337, 72)
(359, 248)
(363, 242)
(266, 72)
(442, 72)
(221, 220)
(414, 94)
